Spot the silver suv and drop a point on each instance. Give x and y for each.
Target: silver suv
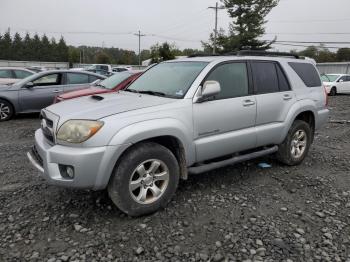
(181, 117)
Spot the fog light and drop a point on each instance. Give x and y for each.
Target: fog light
(70, 172)
(66, 171)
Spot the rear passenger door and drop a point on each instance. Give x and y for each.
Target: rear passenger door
(274, 98)
(225, 124)
(76, 81)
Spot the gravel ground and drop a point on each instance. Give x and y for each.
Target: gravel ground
(232, 214)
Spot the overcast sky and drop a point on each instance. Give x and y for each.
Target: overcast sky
(184, 22)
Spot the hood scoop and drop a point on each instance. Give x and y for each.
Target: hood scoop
(96, 97)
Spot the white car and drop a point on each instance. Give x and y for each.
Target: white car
(336, 83)
(11, 75)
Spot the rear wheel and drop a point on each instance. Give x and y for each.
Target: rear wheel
(296, 146)
(145, 179)
(6, 110)
(333, 91)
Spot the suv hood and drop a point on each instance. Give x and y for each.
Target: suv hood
(99, 106)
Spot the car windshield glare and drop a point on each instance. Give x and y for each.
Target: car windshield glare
(330, 78)
(169, 79)
(113, 81)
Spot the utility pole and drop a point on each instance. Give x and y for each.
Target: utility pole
(139, 35)
(216, 8)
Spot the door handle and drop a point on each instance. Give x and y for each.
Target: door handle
(247, 103)
(287, 97)
(56, 91)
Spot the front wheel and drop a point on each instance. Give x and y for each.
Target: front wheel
(333, 91)
(145, 179)
(296, 146)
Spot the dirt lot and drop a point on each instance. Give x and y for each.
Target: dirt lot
(232, 214)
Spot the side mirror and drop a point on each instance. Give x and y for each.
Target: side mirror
(341, 81)
(29, 85)
(210, 88)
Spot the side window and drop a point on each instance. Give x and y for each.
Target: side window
(20, 74)
(75, 78)
(48, 80)
(233, 79)
(282, 80)
(308, 73)
(265, 77)
(5, 74)
(342, 79)
(348, 79)
(93, 79)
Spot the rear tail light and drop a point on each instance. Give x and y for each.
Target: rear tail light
(326, 94)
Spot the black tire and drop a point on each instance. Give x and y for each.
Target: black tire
(6, 110)
(125, 170)
(333, 91)
(284, 153)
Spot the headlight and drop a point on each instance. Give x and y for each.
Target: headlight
(78, 131)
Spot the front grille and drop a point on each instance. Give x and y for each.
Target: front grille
(47, 127)
(37, 157)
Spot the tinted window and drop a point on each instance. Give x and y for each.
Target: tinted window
(348, 79)
(5, 74)
(93, 78)
(74, 78)
(307, 73)
(343, 79)
(233, 79)
(20, 74)
(265, 77)
(53, 79)
(282, 80)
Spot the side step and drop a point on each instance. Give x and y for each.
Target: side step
(234, 160)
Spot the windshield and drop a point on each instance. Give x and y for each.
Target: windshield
(329, 78)
(168, 79)
(113, 81)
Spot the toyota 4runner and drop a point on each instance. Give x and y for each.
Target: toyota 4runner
(181, 117)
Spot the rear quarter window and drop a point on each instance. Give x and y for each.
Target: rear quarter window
(308, 73)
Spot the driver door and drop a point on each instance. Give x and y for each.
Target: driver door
(225, 124)
(42, 93)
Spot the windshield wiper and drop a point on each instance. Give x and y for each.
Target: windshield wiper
(154, 93)
(131, 90)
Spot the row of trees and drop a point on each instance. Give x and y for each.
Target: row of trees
(322, 54)
(32, 48)
(40, 48)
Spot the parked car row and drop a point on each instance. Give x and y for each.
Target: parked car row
(180, 117)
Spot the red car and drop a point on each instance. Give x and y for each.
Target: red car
(114, 83)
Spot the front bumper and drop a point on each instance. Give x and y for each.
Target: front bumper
(93, 166)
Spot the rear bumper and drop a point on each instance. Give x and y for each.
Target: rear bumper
(322, 118)
(93, 166)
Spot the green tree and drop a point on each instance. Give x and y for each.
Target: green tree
(62, 50)
(102, 58)
(248, 25)
(74, 55)
(6, 46)
(17, 48)
(27, 48)
(162, 52)
(46, 51)
(343, 55)
(35, 48)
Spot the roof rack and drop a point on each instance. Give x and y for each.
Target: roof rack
(265, 53)
(250, 53)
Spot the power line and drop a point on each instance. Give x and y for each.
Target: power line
(300, 33)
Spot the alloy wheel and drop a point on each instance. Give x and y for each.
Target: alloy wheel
(299, 143)
(149, 181)
(4, 111)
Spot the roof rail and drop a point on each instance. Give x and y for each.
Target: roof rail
(202, 55)
(265, 53)
(249, 53)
